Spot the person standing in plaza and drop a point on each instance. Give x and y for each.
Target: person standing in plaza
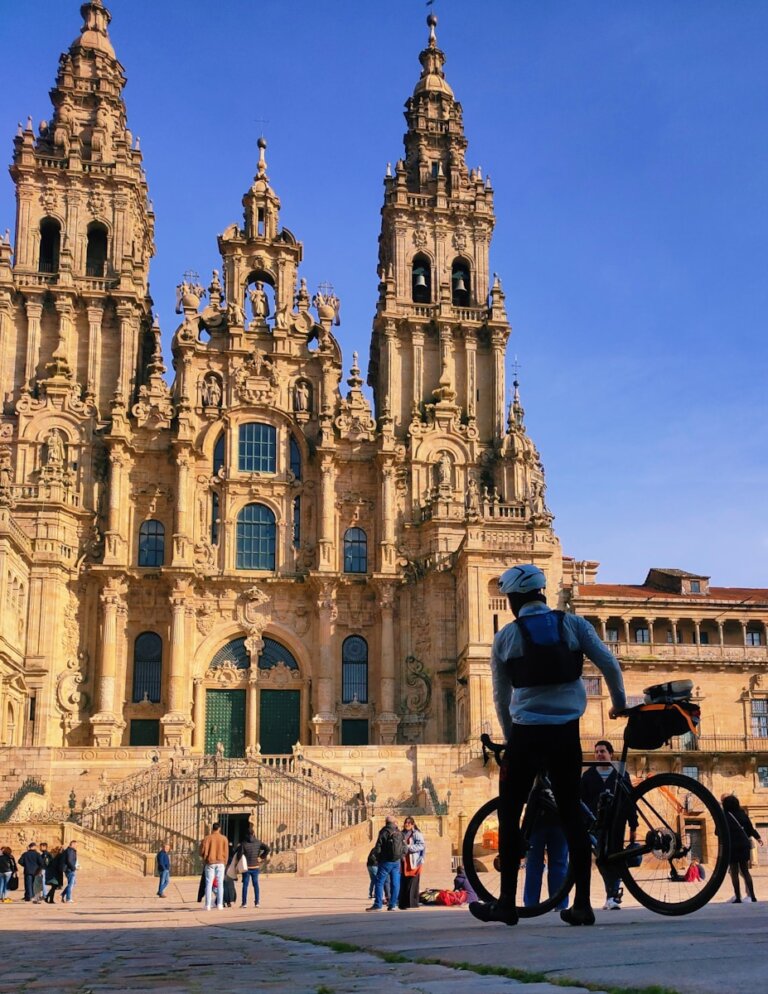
(389, 850)
(69, 859)
(54, 874)
(32, 864)
(740, 830)
(7, 870)
(214, 849)
(255, 852)
(597, 780)
(163, 860)
(45, 856)
(536, 665)
(413, 862)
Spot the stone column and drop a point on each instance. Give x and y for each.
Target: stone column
(697, 632)
(720, 633)
(128, 343)
(387, 720)
(324, 722)
(387, 358)
(106, 724)
(181, 543)
(649, 622)
(176, 719)
(470, 346)
(95, 317)
(417, 338)
(388, 549)
(116, 545)
(627, 631)
(34, 306)
(327, 513)
(497, 342)
(198, 713)
(603, 630)
(673, 623)
(5, 330)
(252, 710)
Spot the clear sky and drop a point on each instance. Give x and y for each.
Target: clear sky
(628, 148)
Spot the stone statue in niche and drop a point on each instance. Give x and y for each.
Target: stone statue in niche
(259, 302)
(444, 471)
(301, 397)
(211, 391)
(473, 498)
(56, 450)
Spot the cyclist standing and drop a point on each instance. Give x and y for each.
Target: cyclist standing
(536, 664)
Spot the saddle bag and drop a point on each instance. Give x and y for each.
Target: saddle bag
(649, 726)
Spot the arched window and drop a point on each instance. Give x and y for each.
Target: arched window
(151, 543)
(296, 522)
(96, 250)
(421, 280)
(219, 453)
(215, 518)
(50, 244)
(354, 670)
(257, 448)
(460, 283)
(273, 653)
(147, 667)
(255, 538)
(233, 652)
(355, 551)
(295, 458)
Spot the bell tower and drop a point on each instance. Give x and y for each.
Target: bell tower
(440, 328)
(84, 233)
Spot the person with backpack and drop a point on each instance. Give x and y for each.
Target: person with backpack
(740, 829)
(389, 850)
(536, 665)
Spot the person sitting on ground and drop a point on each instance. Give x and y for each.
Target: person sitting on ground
(460, 882)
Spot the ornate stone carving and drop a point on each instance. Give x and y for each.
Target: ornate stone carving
(256, 379)
(226, 674)
(416, 676)
(253, 610)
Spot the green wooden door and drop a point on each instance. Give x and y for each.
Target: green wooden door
(225, 721)
(279, 720)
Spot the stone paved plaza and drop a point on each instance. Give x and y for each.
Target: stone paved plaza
(118, 936)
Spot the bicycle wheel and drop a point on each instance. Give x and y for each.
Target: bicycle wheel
(679, 821)
(480, 851)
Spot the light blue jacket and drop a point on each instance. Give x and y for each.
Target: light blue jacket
(417, 844)
(551, 704)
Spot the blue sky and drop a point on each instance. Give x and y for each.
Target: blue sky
(628, 148)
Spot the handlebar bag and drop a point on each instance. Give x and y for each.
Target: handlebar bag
(649, 726)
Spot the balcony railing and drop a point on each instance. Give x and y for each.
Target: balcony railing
(681, 653)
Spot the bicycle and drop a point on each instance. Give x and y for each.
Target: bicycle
(676, 816)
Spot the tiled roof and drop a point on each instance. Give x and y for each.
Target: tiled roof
(739, 595)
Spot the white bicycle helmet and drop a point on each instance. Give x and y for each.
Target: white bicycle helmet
(522, 580)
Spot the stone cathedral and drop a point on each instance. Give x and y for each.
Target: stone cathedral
(254, 556)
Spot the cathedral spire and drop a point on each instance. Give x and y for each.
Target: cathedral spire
(261, 203)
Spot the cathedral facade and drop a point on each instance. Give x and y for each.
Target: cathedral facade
(252, 556)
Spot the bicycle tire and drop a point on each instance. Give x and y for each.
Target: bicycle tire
(685, 815)
(475, 854)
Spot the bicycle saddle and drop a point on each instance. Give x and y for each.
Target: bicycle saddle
(668, 693)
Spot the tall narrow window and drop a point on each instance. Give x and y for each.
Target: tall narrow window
(295, 458)
(257, 448)
(354, 670)
(50, 244)
(460, 284)
(759, 717)
(296, 522)
(147, 667)
(255, 538)
(421, 280)
(151, 543)
(355, 551)
(96, 250)
(219, 453)
(215, 518)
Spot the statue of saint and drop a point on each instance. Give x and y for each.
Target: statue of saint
(211, 392)
(259, 302)
(444, 470)
(56, 451)
(301, 397)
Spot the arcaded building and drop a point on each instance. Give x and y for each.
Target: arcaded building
(253, 555)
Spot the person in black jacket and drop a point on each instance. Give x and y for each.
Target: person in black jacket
(255, 852)
(740, 829)
(70, 870)
(7, 870)
(54, 874)
(596, 781)
(32, 863)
